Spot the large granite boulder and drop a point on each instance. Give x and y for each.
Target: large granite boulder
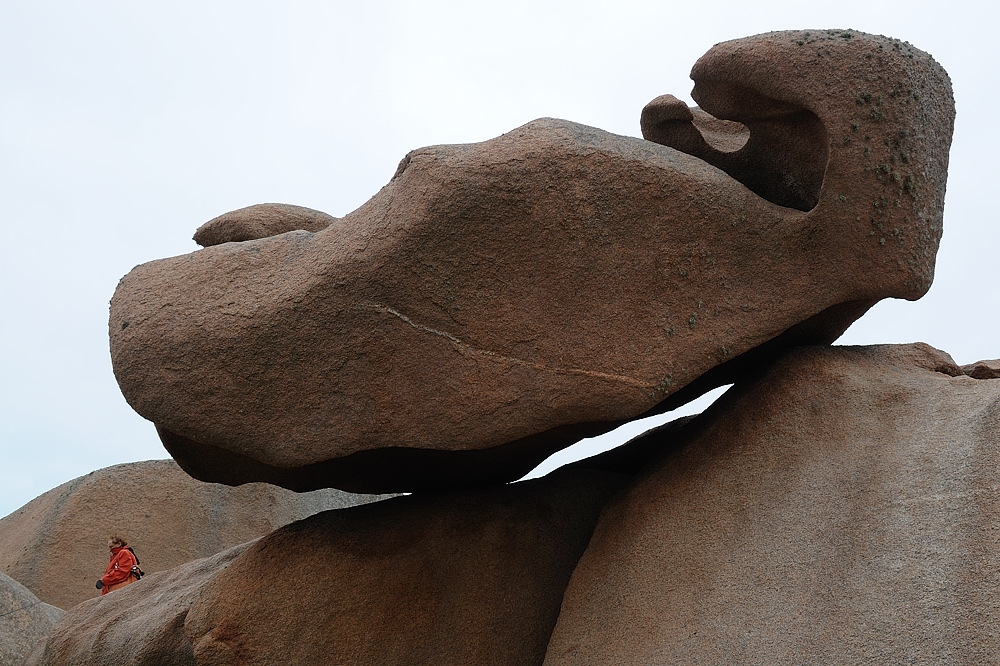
(843, 508)
(497, 301)
(56, 545)
(24, 620)
(472, 577)
(139, 624)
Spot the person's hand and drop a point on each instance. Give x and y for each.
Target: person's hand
(100, 583)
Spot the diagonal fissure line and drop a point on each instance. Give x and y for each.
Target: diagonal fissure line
(427, 329)
(516, 361)
(18, 610)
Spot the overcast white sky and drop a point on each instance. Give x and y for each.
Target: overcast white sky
(125, 125)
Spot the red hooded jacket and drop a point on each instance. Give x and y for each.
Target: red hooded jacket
(119, 569)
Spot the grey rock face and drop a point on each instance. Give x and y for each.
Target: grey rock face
(24, 620)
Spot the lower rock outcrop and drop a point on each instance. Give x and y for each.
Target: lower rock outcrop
(455, 578)
(841, 509)
(56, 544)
(24, 620)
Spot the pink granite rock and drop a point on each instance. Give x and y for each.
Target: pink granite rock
(841, 509)
(497, 301)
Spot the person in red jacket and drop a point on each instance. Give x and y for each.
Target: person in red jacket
(119, 571)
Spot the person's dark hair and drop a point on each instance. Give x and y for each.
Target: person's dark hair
(120, 540)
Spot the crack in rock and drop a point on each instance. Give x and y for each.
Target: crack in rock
(516, 361)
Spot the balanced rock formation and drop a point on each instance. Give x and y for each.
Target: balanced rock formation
(56, 545)
(497, 301)
(24, 620)
(841, 509)
(473, 577)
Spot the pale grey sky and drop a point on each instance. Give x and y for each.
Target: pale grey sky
(124, 126)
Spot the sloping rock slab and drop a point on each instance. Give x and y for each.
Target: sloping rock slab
(497, 301)
(56, 545)
(841, 509)
(142, 624)
(465, 578)
(24, 620)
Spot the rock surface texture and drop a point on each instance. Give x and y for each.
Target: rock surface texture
(497, 301)
(56, 545)
(473, 577)
(841, 509)
(24, 620)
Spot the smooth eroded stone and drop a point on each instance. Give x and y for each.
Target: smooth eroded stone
(260, 221)
(471, 578)
(843, 508)
(56, 545)
(500, 300)
(141, 624)
(24, 620)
